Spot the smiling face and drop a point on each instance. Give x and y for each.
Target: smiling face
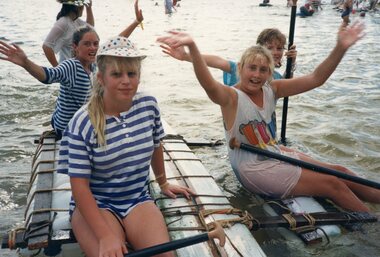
(256, 68)
(254, 74)
(277, 49)
(85, 50)
(275, 41)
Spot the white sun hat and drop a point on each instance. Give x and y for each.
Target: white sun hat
(119, 47)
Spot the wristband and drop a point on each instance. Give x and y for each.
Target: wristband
(164, 184)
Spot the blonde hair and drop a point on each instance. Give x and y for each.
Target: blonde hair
(257, 52)
(96, 103)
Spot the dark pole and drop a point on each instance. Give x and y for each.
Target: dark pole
(169, 246)
(307, 165)
(288, 72)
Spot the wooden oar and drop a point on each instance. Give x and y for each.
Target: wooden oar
(234, 143)
(180, 243)
(288, 70)
(200, 143)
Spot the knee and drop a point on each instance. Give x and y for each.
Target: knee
(337, 186)
(340, 168)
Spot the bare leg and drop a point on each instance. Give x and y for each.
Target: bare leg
(146, 227)
(86, 238)
(365, 193)
(316, 184)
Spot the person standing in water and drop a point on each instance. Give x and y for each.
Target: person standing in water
(347, 9)
(59, 39)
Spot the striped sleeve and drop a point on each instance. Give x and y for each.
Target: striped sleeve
(64, 73)
(158, 130)
(75, 151)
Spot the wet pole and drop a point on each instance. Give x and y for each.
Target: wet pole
(288, 71)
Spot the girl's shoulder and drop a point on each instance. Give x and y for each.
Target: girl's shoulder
(271, 86)
(79, 22)
(80, 126)
(64, 21)
(80, 119)
(144, 97)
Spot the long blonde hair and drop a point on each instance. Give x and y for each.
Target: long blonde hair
(257, 52)
(96, 103)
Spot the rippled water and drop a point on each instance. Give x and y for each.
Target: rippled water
(338, 122)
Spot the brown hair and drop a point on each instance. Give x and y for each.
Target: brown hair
(270, 35)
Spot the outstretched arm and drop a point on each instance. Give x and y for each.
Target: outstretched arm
(139, 18)
(89, 14)
(213, 61)
(13, 53)
(347, 36)
(217, 92)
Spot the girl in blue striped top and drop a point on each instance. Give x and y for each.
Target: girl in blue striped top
(107, 150)
(74, 74)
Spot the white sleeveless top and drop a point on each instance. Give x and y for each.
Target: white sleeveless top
(253, 125)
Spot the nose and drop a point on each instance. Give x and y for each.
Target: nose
(256, 73)
(125, 78)
(275, 51)
(94, 47)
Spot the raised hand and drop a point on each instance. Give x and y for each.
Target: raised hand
(138, 12)
(176, 39)
(349, 35)
(13, 53)
(178, 53)
(88, 4)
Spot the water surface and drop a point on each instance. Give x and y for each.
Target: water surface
(338, 122)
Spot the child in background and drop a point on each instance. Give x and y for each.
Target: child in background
(347, 9)
(306, 10)
(72, 74)
(59, 39)
(271, 38)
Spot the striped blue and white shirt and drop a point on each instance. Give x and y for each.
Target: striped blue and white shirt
(119, 171)
(73, 93)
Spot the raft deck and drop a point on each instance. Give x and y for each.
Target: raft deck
(47, 230)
